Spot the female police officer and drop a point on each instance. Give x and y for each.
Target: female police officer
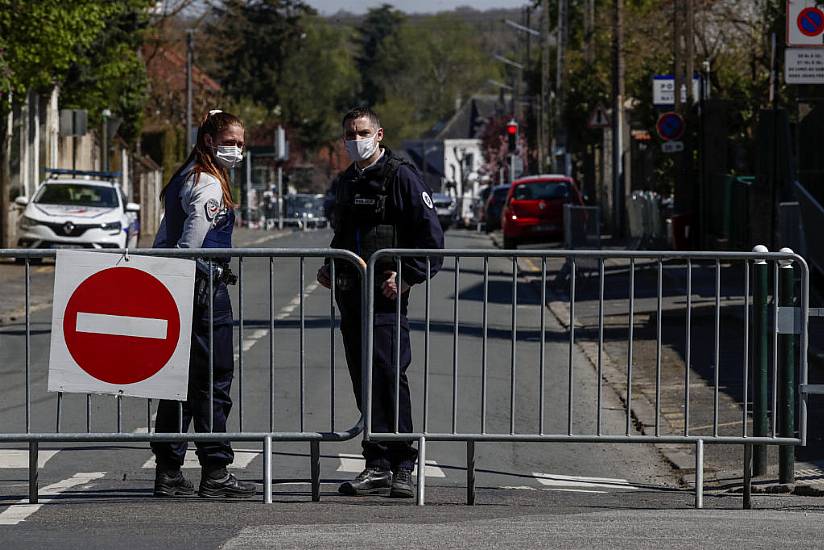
(198, 214)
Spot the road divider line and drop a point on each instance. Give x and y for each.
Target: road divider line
(22, 510)
(18, 459)
(558, 480)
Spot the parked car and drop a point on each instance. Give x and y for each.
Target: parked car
(445, 207)
(77, 209)
(495, 206)
(534, 209)
(304, 210)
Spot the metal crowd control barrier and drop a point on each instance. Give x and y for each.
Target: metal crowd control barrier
(685, 261)
(266, 436)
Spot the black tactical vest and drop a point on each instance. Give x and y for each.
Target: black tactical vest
(365, 211)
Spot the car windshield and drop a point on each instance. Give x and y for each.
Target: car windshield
(542, 190)
(74, 194)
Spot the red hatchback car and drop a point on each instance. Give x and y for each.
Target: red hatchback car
(534, 209)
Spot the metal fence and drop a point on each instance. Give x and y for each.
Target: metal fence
(759, 342)
(267, 322)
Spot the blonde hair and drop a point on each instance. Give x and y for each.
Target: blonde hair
(202, 157)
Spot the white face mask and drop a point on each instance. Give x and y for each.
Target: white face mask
(362, 149)
(229, 156)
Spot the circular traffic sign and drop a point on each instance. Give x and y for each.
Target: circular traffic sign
(670, 126)
(121, 325)
(811, 21)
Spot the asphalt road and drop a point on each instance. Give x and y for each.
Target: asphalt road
(529, 494)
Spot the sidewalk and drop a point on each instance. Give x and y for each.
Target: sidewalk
(723, 464)
(13, 276)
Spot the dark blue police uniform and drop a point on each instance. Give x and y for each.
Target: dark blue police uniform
(211, 454)
(387, 205)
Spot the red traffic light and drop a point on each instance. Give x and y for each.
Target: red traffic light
(512, 128)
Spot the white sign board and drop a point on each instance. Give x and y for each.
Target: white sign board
(805, 23)
(663, 90)
(804, 66)
(121, 325)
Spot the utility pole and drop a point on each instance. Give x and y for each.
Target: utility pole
(560, 128)
(544, 110)
(617, 118)
(189, 61)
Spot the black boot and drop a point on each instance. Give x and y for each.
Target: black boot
(169, 482)
(402, 485)
(371, 481)
(219, 483)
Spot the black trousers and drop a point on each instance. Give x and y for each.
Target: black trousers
(211, 454)
(380, 454)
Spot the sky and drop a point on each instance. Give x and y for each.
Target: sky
(328, 7)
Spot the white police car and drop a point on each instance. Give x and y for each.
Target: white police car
(78, 209)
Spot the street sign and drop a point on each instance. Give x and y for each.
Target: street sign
(663, 90)
(670, 126)
(599, 118)
(672, 146)
(804, 66)
(805, 23)
(121, 326)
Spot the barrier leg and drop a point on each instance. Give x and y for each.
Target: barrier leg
(747, 504)
(470, 473)
(33, 472)
(314, 452)
(699, 474)
(267, 469)
(421, 471)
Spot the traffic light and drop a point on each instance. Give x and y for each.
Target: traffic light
(512, 134)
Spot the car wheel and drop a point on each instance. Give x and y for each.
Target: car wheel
(510, 243)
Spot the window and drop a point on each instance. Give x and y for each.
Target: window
(74, 194)
(542, 191)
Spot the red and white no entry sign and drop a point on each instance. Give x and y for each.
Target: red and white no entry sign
(138, 328)
(117, 326)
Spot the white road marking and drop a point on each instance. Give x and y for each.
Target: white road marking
(253, 338)
(355, 464)
(19, 458)
(21, 510)
(122, 325)
(243, 457)
(558, 480)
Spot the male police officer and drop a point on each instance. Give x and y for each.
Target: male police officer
(380, 202)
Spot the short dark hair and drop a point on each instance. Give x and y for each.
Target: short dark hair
(362, 112)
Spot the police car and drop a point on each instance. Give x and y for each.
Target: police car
(78, 209)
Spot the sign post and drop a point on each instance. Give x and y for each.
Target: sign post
(121, 325)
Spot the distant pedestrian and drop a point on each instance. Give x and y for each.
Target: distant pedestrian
(199, 214)
(380, 202)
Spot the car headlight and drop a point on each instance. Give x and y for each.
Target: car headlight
(113, 226)
(27, 222)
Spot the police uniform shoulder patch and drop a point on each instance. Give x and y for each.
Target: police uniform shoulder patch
(427, 200)
(212, 207)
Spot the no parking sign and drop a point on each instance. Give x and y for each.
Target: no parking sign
(805, 23)
(121, 327)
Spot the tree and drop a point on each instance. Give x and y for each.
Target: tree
(249, 43)
(424, 69)
(39, 42)
(322, 84)
(111, 75)
(378, 25)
